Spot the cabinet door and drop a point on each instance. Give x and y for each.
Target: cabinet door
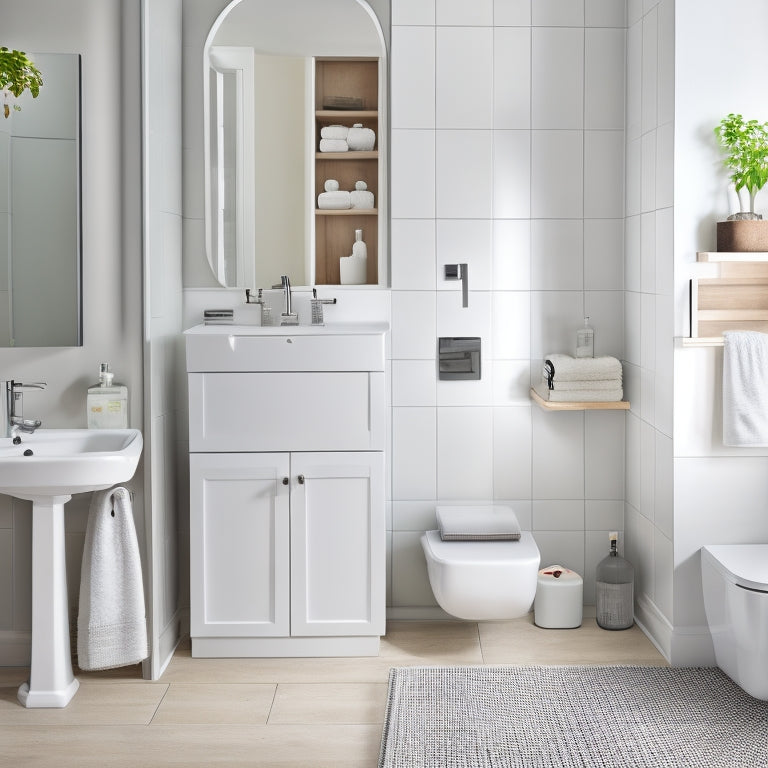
(239, 533)
(337, 543)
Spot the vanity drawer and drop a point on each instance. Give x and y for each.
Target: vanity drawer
(309, 411)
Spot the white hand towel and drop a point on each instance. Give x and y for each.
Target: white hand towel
(334, 201)
(745, 389)
(578, 395)
(569, 368)
(111, 625)
(333, 145)
(334, 132)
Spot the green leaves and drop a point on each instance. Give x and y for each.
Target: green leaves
(746, 142)
(18, 74)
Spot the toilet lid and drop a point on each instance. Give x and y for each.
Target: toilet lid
(487, 552)
(742, 564)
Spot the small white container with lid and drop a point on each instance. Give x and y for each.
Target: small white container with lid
(559, 598)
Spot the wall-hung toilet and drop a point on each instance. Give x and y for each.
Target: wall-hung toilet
(735, 586)
(482, 580)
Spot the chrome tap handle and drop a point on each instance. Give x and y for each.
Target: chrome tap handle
(16, 386)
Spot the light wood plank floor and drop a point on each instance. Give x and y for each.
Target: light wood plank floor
(297, 713)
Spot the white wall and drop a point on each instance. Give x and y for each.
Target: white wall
(511, 159)
(111, 279)
(648, 282)
(164, 432)
(720, 494)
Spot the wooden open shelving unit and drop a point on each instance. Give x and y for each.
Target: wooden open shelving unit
(346, 79)
(620, 405)
(737, 300)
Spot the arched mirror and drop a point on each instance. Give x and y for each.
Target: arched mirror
(276, 75)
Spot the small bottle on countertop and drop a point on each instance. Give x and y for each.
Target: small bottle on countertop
(585, 340)
(107, 402)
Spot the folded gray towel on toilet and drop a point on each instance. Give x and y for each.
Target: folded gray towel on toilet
(493, 523)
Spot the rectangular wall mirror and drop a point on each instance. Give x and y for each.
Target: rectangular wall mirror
(40, 211)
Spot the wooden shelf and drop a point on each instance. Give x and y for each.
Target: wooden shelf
(619, 405)
(720, 256)
(345, 115)
(347, 211)
(350, 155)
(334, 230)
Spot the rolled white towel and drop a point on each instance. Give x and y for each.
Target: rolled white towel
(361, 197)
(333, 201)
(575, 386)
(361, 139)
(334, 132)
(333, 145)
(567, 368)
(578, 395)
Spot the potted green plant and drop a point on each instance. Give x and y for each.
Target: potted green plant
(17, 74)
(746, 145)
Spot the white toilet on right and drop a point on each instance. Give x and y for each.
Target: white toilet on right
(735, 585)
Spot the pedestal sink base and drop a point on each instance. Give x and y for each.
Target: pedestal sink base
(50, 699)
(51, 680)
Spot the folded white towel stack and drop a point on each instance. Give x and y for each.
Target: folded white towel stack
(334, 132)
(333, 145)
(111, 625)
(494, 523)
(567, 379)
(745, 389)
(334, 201)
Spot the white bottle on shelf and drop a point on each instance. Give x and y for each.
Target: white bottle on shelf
(353, 269)
(585, 340)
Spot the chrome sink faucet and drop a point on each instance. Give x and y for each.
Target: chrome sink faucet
(288, 317)
(13, 408)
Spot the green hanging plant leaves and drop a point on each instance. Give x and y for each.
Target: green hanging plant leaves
(746, 142)
(18, 74)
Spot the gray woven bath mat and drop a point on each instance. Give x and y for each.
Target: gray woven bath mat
(586, 716)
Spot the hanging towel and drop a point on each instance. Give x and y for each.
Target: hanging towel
(745, 389)
(111, 625)
(567, 368)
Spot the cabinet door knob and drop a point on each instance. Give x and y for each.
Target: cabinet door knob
(286, 481)
(301, 479)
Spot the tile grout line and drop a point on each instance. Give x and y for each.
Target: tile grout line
(272, 704)
(159, 704)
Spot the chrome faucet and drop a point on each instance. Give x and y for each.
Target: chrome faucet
(288, 317)
(13, 408)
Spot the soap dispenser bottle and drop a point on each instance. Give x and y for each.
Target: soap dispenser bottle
(107, 402)
(585, 340)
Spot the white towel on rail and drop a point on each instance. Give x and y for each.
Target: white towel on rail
(111, 624)
(745, 389)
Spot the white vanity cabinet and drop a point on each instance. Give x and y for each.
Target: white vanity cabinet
(287, 529)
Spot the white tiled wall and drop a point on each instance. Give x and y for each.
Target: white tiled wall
(508, 154)
(648, 316)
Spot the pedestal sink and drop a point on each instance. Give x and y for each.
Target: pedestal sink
(47, 467)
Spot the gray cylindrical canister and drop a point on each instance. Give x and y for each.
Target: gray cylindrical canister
(614, 590)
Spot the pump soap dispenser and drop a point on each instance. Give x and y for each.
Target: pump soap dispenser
(107, 402)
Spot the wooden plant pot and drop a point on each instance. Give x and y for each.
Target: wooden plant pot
(742, 236)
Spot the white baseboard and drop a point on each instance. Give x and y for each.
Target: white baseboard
(15, 648)
(680, 646)
(420, 613)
